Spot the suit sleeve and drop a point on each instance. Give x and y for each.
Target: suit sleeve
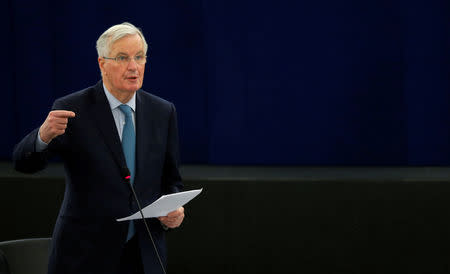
(25, 157)
(171, 178)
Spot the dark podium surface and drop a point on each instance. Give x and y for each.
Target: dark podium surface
(279, 219)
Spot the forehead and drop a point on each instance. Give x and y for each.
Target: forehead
(130, 44)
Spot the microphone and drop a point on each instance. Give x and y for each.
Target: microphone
(125, 172)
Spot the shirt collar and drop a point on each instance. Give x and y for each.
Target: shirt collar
(114, 103)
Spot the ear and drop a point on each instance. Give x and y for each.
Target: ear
(101, 63)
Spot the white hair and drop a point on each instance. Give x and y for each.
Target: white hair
(114, 33)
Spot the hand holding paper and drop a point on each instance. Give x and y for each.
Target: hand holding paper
(173, 219)
(164, 205)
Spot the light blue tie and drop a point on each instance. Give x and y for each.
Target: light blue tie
(129, 149)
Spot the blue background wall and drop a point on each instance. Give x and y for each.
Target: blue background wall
(255, 82)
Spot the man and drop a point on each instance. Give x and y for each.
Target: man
(102, 134)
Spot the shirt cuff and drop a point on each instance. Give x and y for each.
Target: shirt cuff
(40, 145)
(164, 227)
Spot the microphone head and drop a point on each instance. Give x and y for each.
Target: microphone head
(125, 173)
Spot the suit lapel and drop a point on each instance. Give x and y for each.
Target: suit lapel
(101, 112)
(144, 136)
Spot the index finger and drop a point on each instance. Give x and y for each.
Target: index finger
(63, 113)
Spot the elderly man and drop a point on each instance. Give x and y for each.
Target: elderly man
(102, 133)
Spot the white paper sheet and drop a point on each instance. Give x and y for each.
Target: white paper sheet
(164, 205)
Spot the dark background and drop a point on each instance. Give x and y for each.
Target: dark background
(277, 220)
(310, 84)
(255, 81)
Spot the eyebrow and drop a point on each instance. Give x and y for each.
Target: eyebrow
(123, 53)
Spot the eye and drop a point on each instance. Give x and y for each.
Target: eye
(139, 57)
(122, 58)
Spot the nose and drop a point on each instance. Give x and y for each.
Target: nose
(132, 65)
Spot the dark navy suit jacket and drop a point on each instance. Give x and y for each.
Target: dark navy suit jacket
(87, 238)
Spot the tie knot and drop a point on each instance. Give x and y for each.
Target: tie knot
(125, 110)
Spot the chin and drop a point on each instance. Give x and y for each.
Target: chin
(132, 88)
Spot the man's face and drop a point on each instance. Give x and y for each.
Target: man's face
(127, 77)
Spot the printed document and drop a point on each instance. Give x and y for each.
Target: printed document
(164, 205)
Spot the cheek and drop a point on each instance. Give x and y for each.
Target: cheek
(118, 76)
(116, 79)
